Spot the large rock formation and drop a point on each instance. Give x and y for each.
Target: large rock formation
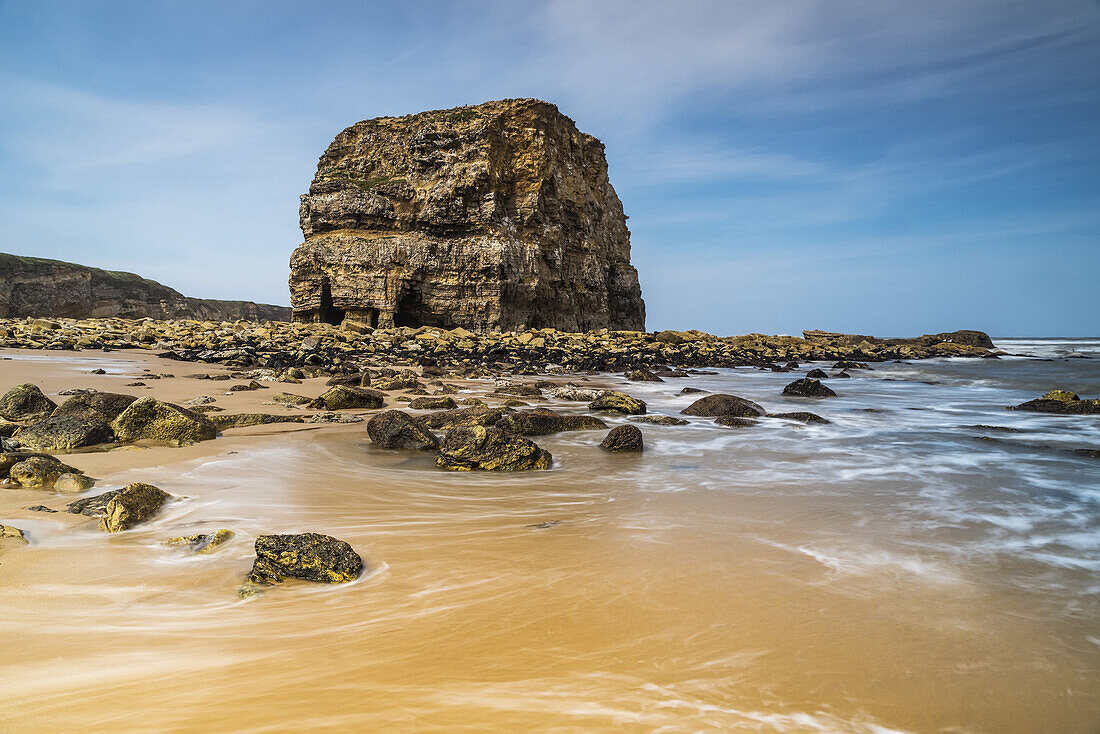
(34, 286)
(494, 217)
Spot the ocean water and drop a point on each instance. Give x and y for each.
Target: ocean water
(926, 562)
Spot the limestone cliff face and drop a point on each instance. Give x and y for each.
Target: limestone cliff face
(34, 286)
(494, 217)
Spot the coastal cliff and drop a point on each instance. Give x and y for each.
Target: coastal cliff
(37, 287)
(494, 217)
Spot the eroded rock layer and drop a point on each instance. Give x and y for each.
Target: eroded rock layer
(495, 217)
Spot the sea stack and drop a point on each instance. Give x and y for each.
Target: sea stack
(494, 217)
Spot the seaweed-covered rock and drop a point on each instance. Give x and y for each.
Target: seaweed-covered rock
(801, 416)
(244, 420)
(433, 403)
(25, 403)
(103, 406)
(721, 404)
(733, 421)
(660, 420)
(618, 402)
(38, 471)
(149, 418)
(134, 503)
(65, 432)
(202, 544)
(489, 449)
(623, 439)
(394, 429)
(808, 388)
(306, 556)
(542, 422)
(477, 415)
(342, 397)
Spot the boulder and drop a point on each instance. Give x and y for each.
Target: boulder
(433, 403)
(38, 471)
(543, 422)
(518, 391)
(660, 420)
(92, 506)
(733, 421)
(488, 448)
(800, 416)
(642, 376)
(73, 483)
(289, 398)
(807, 388)
(133, 504)
(577, 394)
(720, 404)
(342, 397)
(25, 403)
(65, 433)
(8, 532)
(149, 418)
(394, 429)
(305, 556)
(623, 439)
(104, 406)
(473, 416)
(403, 381)
(1064, 396)
(1061, 406)
(817, 374)
(618, 402)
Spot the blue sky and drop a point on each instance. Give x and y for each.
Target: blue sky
(874, 166)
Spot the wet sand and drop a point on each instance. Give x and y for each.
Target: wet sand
(651, 602)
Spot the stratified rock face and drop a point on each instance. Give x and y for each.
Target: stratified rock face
(495, 217)
(35, 286)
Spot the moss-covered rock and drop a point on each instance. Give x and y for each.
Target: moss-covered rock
(201, 544)
(244, 420)
(808, 388)
(343, 397)
(38, 471)
(1064, 396)
(65, 433)
(617, 402)
(433, 403)
(289, 398)
(306, 556)
(543, 422)
(149, 418)
(488, 448)
(25, 403)
(623, 439)
(477, 415)
(720, 404)
(133, 504)
(394, 429)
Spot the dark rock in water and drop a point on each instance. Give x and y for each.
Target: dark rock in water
(807, 388)
(720, 404)
(244, 420)
(149, 418)
(792, 365)
(489, 449)
(394, 429)
(357, 379)
(305, 556)
(92, 506)
(800, 416)
(816, 374)
(342, 397)
(660, 420)
(1091, 453)
(733, 421)
(642, 376)
(105, 406)
(133, 504)
(476, 415)
(1004, 429)
(494, 217)
(99, 371)
(519, 391)
(691, 390)
(25, 403)
(543, 422)
(203, 544)
(41, 508)
(623, 439)
(842, 375)
(433, 403)
(617, 402)
(846, 365)
(64, 433)
(1062, 404)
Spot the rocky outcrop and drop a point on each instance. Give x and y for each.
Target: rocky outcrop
(489, 449)
(494, 217)
(306, 556)
(37, 287)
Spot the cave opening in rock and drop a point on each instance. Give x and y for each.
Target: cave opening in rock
(327, 313)
(408, 310)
